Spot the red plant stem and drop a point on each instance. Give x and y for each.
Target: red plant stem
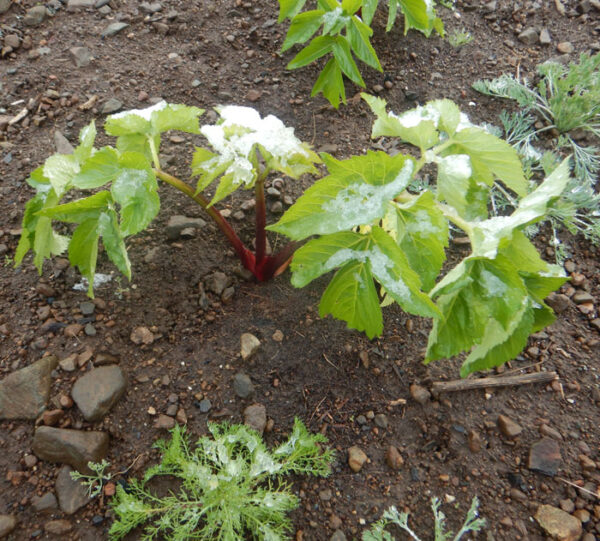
(245, 255)
(261, 219)
(275, 265)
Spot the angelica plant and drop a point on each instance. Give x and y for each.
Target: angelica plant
(385, 240)
(230, 486)
(392, 516)
(121, 184)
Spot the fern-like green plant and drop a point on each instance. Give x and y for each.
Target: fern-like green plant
(230, 486)
(393, 517)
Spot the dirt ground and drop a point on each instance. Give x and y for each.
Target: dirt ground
(205, 53)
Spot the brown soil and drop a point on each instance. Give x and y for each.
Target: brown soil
(315, 372)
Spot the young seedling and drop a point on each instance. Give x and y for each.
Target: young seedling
(230, 486)
(373, 227)
(346, 32)
(122, 181)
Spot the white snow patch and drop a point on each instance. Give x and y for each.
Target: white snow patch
(456, 165)
(492, 284)
(146, 113)
(99, 280)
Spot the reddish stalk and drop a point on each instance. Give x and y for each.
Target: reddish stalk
(261, 220)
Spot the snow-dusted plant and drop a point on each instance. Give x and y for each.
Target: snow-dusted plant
(230, 486)
(121, 182)
(386, 237)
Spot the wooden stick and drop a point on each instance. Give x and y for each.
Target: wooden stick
(481, 383)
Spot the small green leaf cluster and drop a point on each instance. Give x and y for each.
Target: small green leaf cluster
(565, 99)
(122, 182)
(230, 486)
(392, 517)
(346, 33)
(372, 229)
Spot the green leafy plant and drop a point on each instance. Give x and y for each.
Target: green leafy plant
(393, 517)
(231, 486)
(459, 38)
(371, 227)
(345, 34)
(123, 187)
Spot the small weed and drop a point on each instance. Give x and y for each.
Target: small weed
(458, 38)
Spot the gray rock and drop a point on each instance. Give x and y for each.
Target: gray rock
(113, 29)
(178, 223)
(12, 40)
(205, 405)
(111, 106)
(544, 457)
(217, 282)
(58, 527)
(24, 393)
(87, 308)
(98, 391)
(7, 524)
(73, 5)
(255, 416)
(508, 427)
(545, 38)
(4, 6)
(381, 420)
(249, 345)
(35, 16)
(148, 7)
(338, 535)
(242, 385)
(62, 144)
(72, 495)
(164, 422)
(582, 296)
(46, 503)
(529, 36)
(73, 447)
(82, 56)
(558, 302)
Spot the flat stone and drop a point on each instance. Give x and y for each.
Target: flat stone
(529, 36)
(420, 394)
(25, 393)
(249, 345)
(69, 363)
(178, 223)
(104, 358)
(62, 144)
(582, 297)
(12, 40)
(565, 47)
(96, 392)
(7, 524)
(58, 527)
(255, 416)
(141, 335)
(544, 457)
(508, 427)
(356, 458)
(148, 7)
(242, 385)
(73, 447)
(44, 504)
(113, 29)
(205, 405)
(73, 5)
(393, 458)
(72, 494)
(545, 38)
(164, 422)
(338, 535)
(558, 524)
(35, 16)
(111, 106)
(82, 56)
(558, 302)
(5, 5)
(217, 282)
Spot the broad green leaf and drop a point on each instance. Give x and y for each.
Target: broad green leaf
(80, 210)
(302, 28)
(421, 231)
(227, 185)
(176, 117)
(47, 242)
(343, 56)
(127, 123)
(317, 48)
(490, 155)
(289, 8)
(417, 14)
(331, 83)
(358, 35)
(38, 181)
(334, 21)
(351, 297)
(356, 192)
(500, 344)
(83, 250)
(29, 223)
(135, 191)
(392, 14)
(351, 6)
(98, 170)
(487, 235)
(368, 10)
(459, 189)
(203, 167)
(60, 170)
(417, 126)
(450, 115)
(87, 136)
(386, 261)
(136, 143)
(108, 227)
